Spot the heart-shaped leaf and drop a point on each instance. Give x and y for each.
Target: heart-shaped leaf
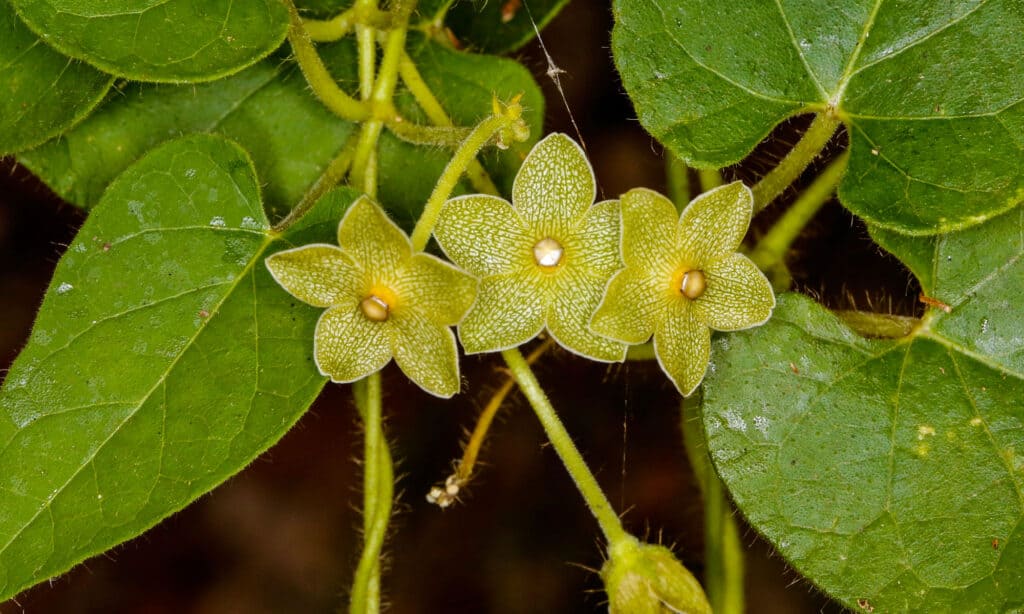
(889, 472)
(163, 360)
(290, 135)
(170, 40)
(931, 93)
(42, 92)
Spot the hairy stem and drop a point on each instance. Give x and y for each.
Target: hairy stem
(710, 178)
(378, 490)
(560, 440)
(461, 159)
(336, 170)
(421, 92)
(324, 87)
(771, 249)
(364, 161)
(806, 150)
(723, 551)
(678, 179)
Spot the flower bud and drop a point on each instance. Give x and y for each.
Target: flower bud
(647, 579)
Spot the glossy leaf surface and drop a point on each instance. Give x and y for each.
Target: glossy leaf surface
(932, 94)
(164, 359)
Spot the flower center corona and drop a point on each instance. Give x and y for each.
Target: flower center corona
(548, 252)
(375, 308)
(693, 284)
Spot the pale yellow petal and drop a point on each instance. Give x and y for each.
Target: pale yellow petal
(554, 186)
(631, 306)
(437, 288)
(509, 311)
(595, 243)
(426, 353)
(683, 347)
(648, 228)
(713, 224)
(347, 346)
(568, 318)
(373, 241)
(738, 295)
(484, 235)
(319, 274)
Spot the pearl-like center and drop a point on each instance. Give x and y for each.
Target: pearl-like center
(548, 252)
(693, 284)
(375, 308)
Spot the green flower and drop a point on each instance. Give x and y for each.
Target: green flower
(543, 260)
(683, 279)
(648, 579)
(382, 301)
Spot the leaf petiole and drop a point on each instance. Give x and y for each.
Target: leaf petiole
(804, 152)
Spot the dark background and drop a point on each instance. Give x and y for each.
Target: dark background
(282, 535)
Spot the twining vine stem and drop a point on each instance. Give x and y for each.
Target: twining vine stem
(803, 153)
(611, 526)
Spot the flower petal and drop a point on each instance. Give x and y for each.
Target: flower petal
(369, 236)
(648, 228)
(509, 311)
(569, 315)
(594, 244)
(554, 186)
(319, 274)
(483, 234)
(630, 307)
(426, 353)
(738, 295)
(713, 224)
(683, 347)
(431, 286)
(347, 346)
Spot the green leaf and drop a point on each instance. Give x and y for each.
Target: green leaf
(164, 359)
(888, 471)
(500, 26)
(932, 94)
(290, 135)
(167, 41)
(42, 93)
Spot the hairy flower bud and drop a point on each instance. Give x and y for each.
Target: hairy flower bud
(647, 579)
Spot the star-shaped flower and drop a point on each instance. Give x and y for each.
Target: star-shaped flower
(684, 278)
(543, 260)
(382, 301)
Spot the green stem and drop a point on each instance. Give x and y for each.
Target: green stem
(330, 30)
(723, 551)
(417, 134)
(378, 489)
(461, 159)
(421, 92)
(878, 325)
(364, 160)
(560, 440)
(710, 178)
(678, 179)
(771, 249)
(806, 150)
(324, 87)
(332, 176)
